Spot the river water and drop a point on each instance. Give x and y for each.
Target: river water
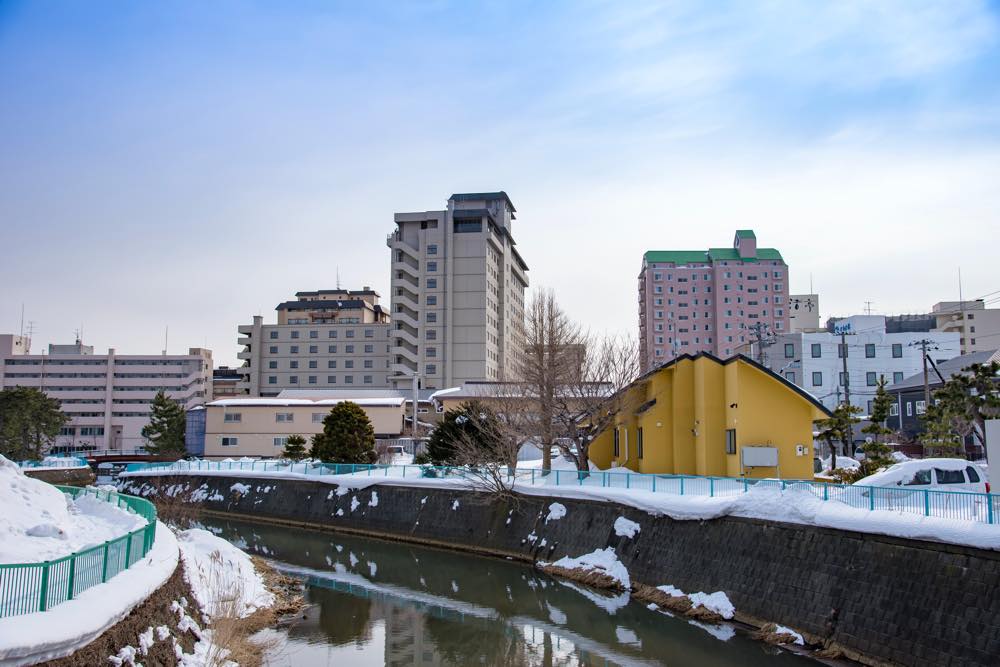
(375, 603)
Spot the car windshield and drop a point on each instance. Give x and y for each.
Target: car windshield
(920, 477)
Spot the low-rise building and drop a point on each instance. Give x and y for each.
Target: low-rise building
(815, 361)
(225, 382)
(260, 427)
(324, 339)
(106, 396)
(700, 415)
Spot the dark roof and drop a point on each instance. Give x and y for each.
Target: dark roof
(483, 196)
(740, 357)
(473, 214)
(343, 304)
(947, 368)
(355, 292)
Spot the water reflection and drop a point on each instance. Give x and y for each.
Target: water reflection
(385, 603)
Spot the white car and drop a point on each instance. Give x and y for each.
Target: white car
(936, 474)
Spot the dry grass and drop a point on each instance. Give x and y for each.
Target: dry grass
(587, 577)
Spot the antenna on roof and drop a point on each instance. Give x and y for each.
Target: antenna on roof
(338, 277)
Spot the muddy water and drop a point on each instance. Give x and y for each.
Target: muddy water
(374, 602)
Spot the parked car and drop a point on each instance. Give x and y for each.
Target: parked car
(937, 474)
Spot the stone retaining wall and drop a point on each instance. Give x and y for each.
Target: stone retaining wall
(65, 476)
(883, 599)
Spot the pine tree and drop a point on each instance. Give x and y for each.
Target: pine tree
(295, 448)
(877, 453)
(164, 433)
(939, 437)
(837, 428)
(29, 422)
(347, 437)
(464, 427)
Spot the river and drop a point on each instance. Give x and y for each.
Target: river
(375, 602)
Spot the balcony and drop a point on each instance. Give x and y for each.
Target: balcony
(243, 340)
(245, 354)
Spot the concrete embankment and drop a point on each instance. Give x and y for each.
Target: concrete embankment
(878, 599)
(66, 476)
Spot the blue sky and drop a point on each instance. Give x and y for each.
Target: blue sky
(191, 164)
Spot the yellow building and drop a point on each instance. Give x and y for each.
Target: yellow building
(700, 415)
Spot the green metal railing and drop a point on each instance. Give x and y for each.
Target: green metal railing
(64, 462)
(961, 505)
(26, 588)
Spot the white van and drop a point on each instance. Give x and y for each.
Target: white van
(937, 474)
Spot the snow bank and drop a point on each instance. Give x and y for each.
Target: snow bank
(39, 522)
(34, 638)
(222, 577)
(717, 602)
(556, 512)
(604, 561)
(625, 528)
(796, 637)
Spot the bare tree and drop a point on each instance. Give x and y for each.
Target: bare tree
(487, 444)
(554, 353)
(585, 407)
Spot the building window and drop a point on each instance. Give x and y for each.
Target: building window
(789, 350)
(817, 350)
(465, 227)
(284, 417)
(331, 379)
(431, 352)
(897, 376)
(294, 349)
(318, 417)
(295, 334)
(369, 363)
(432, 249)
(332, 349)
(233, 417)
(350, 333)
(909, 409)
(281, 441)
(273, 349)
(431, 334)
(349, 363)
(432, 267)
(293, 364)
(617, 446)
(293, 379)
(897, 350)
(921, 407)
(432, 300)
(348, 379)
(313, 349)
(369, 349)
(730, 441)
(349, 349)
(431, 369)
(871, 378)
(312, 379)
(229, 441)
(869, 350)
(638, 441)
(870, 404)
(894, 410)
(332, 333)
(842, 350)
(332, 363)
(432, 317)
(817, 379)
(274, 335)
(272, 379)
(790, 376)
(368, 379)
(314, 334)
(272, 364)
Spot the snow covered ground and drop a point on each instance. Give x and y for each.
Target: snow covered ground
(38, 522)
(56, 463)
(686, 498)
(33, 638)
(222, 578)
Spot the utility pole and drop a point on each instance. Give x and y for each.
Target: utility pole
(925, 345)
(847, 389)
(764, 340)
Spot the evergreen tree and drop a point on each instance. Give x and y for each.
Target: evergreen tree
(29, 422)
(295, 448)
(837, 428)
(877, 453)
(165, 431)
(939, 437)
(467, 424)
(347, 436)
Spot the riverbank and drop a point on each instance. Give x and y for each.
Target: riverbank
(844, 591)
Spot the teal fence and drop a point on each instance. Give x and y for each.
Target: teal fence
(29, 587)
(962, 505)
(64, 462)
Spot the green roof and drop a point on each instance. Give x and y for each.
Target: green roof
(710, 255)
(745, 234)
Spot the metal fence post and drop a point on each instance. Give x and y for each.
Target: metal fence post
(711, 487)
(45, 586)
(128, 551)
(104, 568)
(989, 508)
(826, 492)
(654, 483)
(532, 476)
(744, 485)
(682, 486)
(871, 499)
(927, 503)
(72, 577)
(628, 481)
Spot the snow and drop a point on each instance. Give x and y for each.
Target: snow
(723, 632)
(798, 503)
(717, 602)
(556, 512)
(627, 636)
(372, 568)
(610, 604)
(146, 640)
(39, 522)
(604, 561)
(556, 615)
(842, 462)
(48, 635)
(904, 471)
(240, 488)
(782, 630)
(454, 506)
(222, 578)
(354, 503)
(126, 656)
(625, 528)
(374, 499)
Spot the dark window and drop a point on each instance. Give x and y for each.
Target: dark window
(730, 441)
(467, 226)
(897, 376)
(949, 476)
(817, 379)
(842, 351)
(639, 442)
(869, 350)
(274, 349)
(897, 350)
(920, 477)
(616, 442)
(274, 335)
(871, 378)
(789, 350)
(973, 475)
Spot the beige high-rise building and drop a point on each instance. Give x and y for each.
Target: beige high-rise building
(978, 325)
(325, 339)
(458, 287)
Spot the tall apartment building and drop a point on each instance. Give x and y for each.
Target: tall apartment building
(815, 361)
(977, 325)
(711, 300)
(106, 396)
(458, 287)
(326, 339)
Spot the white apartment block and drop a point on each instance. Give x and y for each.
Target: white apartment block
(814, 361)
(326, 339)
(458, 288)
(106, 396)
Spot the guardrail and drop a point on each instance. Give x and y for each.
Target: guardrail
(63, 462)
(26, 588)
(963, 505)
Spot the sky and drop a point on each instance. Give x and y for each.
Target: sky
(184, 166)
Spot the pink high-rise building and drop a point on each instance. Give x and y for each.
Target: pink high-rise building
(717, 300)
